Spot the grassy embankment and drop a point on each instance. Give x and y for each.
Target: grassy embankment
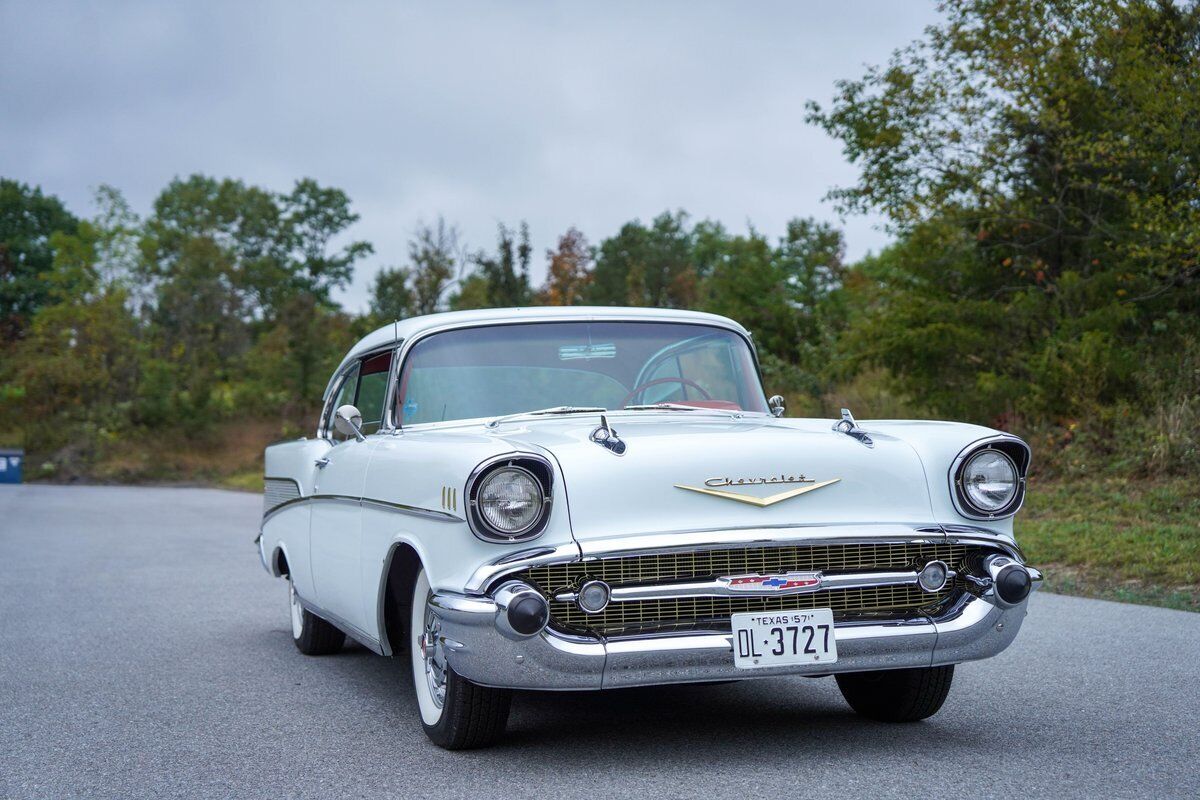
(1134, 541)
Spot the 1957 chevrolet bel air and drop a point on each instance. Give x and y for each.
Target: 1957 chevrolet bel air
(591, 498)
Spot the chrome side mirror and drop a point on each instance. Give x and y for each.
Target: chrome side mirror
(347, 420)
(777, 405)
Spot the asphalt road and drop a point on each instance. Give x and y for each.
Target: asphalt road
(145, 653)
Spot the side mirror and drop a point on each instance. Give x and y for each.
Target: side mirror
(777, 405)
(347, 420)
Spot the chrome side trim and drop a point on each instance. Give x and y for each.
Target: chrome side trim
(721, 588)
(400, 508)
(486, 575)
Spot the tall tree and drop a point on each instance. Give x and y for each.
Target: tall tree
(651, 266)
(1041, 163)
(506, 273)
(28, 219)
(391, 295)
(434, 262)
(223, 257)
(569, 271)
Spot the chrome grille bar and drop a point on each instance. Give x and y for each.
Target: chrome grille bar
(720, 587)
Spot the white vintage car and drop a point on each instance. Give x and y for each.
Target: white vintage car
(592, 498)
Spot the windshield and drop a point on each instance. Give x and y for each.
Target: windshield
(508, 369)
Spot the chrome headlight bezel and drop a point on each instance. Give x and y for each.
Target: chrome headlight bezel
(537, 468)
(1012, 448)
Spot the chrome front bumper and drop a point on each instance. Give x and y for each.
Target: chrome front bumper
(482, 649)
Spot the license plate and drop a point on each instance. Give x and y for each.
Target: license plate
(783, 638)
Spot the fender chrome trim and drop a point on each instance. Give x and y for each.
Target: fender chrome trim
(385, 505)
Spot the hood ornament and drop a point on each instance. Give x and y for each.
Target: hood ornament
(607, 438)
(761, 502)
(848, 426)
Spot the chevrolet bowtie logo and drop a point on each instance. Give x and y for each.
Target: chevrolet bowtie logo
(761, 502)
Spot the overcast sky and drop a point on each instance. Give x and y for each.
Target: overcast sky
(556, 113)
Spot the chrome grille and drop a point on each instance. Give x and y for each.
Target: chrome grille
(677, 613)
(277, 491)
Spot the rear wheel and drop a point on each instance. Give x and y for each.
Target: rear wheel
(455, 713)
(313, 636)
(897, 695)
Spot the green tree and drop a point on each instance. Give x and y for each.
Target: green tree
(434, 263)
(225, 259)
(72, 377)
(391, 295)
(568, 271)
(651, 266)
(28, 219)
(1041, 165)
(506, 273)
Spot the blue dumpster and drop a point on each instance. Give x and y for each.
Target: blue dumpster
(10, 465)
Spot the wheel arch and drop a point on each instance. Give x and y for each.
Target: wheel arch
(400, 568)
(280, 564)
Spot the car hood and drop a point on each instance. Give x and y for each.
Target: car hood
(611, 496)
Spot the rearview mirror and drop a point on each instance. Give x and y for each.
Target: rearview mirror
(347, 420)
(777, 405)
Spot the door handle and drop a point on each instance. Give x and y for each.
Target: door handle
(321, 463)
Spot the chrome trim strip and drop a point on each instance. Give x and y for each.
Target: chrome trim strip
(721, 588)
(400, 508)
(725, 539)
(489, 573)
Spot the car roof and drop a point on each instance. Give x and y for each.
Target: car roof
(414, 326)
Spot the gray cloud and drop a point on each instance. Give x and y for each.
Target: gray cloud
(559, 114)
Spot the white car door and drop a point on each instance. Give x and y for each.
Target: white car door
(335, 540)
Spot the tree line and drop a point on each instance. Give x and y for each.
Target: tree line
(1038, 164)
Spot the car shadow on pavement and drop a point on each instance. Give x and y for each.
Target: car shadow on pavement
(704, 720)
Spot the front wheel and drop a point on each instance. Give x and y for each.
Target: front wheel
(897, 695)
(455, 713)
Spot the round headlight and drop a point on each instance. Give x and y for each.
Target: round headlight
(510, 500)
(989, 481)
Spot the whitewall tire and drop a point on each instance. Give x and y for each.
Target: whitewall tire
(455, 713)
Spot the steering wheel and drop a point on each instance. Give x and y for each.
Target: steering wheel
(657, 381)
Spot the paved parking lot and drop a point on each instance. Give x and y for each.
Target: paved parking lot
(144, 653)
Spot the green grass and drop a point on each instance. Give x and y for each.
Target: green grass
(1133, 541)
(249, 481)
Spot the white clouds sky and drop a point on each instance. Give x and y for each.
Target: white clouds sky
(556, 113)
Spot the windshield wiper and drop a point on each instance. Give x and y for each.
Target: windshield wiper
(546, 411)
(683, 407)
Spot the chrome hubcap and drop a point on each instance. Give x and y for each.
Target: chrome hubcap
(433, 653)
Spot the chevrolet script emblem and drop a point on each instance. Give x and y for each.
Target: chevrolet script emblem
(761, 502)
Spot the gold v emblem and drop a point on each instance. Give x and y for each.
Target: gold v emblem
(761, 502)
